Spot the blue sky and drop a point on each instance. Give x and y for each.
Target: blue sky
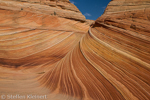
(91, 9)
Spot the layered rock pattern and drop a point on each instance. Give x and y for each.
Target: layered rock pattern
(61, 8)
(51, 55)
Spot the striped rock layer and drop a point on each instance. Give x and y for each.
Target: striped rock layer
(60, 8)
(43, 54)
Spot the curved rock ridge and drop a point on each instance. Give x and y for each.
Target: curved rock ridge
(34, 36)
(60, 8)
(52, 57)
(127, 5)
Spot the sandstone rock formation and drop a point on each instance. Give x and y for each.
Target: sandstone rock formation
(52, 55)
(61, 8)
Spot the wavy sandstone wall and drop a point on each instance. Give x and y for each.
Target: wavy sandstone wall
(54, 55)
(61, 8)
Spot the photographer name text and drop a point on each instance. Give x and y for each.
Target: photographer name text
(19, 97)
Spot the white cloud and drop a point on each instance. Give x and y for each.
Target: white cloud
(72, 2)
(87, 14)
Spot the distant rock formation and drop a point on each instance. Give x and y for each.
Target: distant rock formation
(61, 8)
(46, 51)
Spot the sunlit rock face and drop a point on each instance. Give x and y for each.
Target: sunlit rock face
(30, 32)
(46, 50)
(61, 8)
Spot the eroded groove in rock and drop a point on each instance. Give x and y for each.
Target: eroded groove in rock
(51, 52)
